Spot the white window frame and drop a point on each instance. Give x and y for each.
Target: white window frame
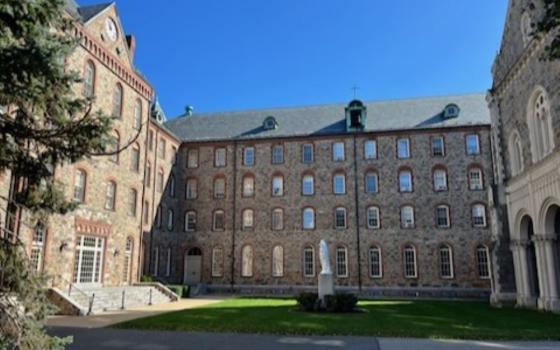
(247, 259)
(447, 216)
(342, 178)
(190, 221)
(369, 211)
(249, 156)
(483, 262)
(370, 149)
(278, 261)
(406, 224)
(309, 185)
(375, 250)
(440, 180)
(472, 148)
(403, 148)
(277, 154)
(214, 220)
(248, 189)
(111, 195)
(308, 264)
(220, 156)
(248, 219)
(308, 146)
(446, 261)
(338, 152)
(277, 186)
(277, 222)
(219, 187)
(476, 185)
(405, 175)
(482, 208)
(338, 211)
(341, 264)
(408, 253)
(371, 174)
(217, 262)
(310, 225)
(436, 149)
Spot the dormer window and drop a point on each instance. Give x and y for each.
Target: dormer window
(355, 116)
(270, 123)
(451, 111)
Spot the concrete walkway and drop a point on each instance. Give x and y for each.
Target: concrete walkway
(114, 339)
(109, 318)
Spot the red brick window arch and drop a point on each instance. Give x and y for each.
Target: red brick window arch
(405, 180)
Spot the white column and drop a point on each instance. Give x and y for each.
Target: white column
(542, 271)
(525, 295)
(549, 246)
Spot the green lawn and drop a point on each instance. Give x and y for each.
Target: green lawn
(422, 319)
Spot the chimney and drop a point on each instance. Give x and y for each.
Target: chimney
(131, 42)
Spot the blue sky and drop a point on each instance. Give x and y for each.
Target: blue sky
(221, 55)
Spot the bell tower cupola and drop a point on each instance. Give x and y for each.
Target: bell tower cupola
(356, 116)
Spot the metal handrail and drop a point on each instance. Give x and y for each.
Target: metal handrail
(72, 287)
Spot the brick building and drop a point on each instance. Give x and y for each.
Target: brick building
(398, 188)
(525, 108)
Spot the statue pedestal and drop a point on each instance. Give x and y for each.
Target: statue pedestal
(326, 286)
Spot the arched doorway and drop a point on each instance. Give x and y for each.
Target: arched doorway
(192, 268)
(552, 228)
(527, 232)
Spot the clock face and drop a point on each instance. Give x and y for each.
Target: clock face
(111, 29)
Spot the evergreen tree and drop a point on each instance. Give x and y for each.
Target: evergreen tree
(550, 23)
(43, 125)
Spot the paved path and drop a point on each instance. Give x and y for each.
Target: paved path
(114, 339)
(108, 318)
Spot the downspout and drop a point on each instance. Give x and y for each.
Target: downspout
(154, 184)
(139, 266)
(234, 208)
(357, 204)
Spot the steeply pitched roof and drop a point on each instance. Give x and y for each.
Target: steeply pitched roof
(423, 113)
(88, 12)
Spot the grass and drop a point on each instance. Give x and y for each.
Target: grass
(419, 319)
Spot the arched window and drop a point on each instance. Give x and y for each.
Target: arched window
(80, 182)
(192, 158)
(308, 185)
(372, 217)
(277, 186)
(370, 149)
(190, 221)
(540, 125)
(339, 183)
(114, 146)
(248, 219)
(483, 262)
(405, 181)
(218, 221)
(148, 180)
(526, 28)
(478, 214)
(89, 79)
(168, 262)
(446, 262)
(409, 258)
(160, 180)
(516, 154)
(132, 201)
(137, 122)
(110, 195)
(277, 219)
(217, 262)
(277, 261)
(170, 219)
(127, 265)
(172, 186)
(371, 182)
(155, 257)
(440, 179)
(308, 261)
(407, 216)
(248, 186)
(341, 262)
(135, 158)
(247, 261)
(308, 218)
(117, 101)
(375, 262)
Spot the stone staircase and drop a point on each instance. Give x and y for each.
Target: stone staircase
(119, 298)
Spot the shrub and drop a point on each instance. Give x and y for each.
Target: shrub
(307, 301)
(145, 278)
(346, 302)
(177, 289)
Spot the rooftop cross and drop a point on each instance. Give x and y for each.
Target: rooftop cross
(355, 89)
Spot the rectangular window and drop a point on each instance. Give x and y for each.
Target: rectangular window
(308, 219)
(308, 262)
(440, 180)
(160, 182)
(405, 181)
(170, 219)
(446, 262)
(483, 262)
(249, 156)
(475, 179)
(308, 186)
(371, 183)
(151, 140)
(168, 263)
(438, 146)
(248, 219)
(146, 212)
(220, 157)
(410, 263)
(472, 143)
(135, 159)
(162, 146)
(219, 188)
(370, 149)
(338, 153)
(277, 219)
(219, 220)
(339, 184)
(407, 217)
(277, 154)
(307, 153)
(192, 158)
(341, 262)
(132, 199)
(277, 186)
(191, 189)
(403, 148)
(148, 175)
(375, 269)
(442, 216)
(190, 221)
(372, 216)
(479, 215)
(173, 155)
(217, 259)
(248, 186)
(340, 218)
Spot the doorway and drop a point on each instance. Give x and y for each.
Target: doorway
(193, 264)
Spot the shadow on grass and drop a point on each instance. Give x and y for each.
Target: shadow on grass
(422, 319)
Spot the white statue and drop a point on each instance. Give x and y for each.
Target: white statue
(324, 256)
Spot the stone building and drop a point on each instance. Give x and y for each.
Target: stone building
(525, 109)
(398, 188)
(99, 243)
